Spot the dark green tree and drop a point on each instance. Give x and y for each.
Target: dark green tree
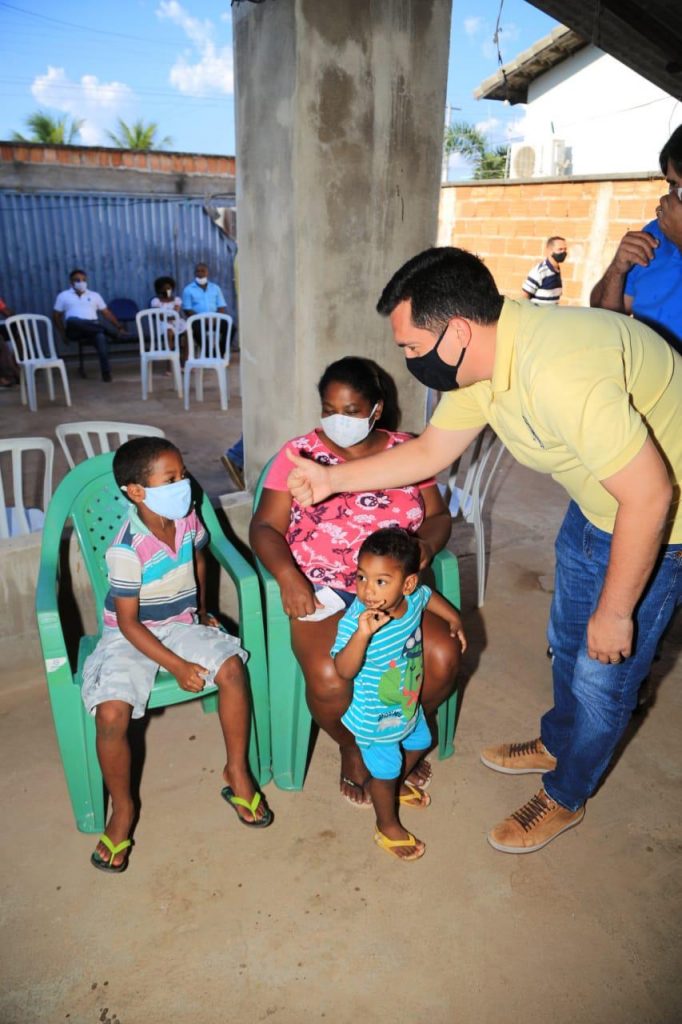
(138, 136)
(467, 140)
(53, 131)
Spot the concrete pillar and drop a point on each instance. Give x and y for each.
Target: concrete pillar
(339, 144)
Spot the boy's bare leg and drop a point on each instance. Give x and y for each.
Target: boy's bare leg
(384, 798)
(112, 719)
(412, 757)
(234, 711)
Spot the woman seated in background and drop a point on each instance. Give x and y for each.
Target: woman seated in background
(308, 549)
(165, 298)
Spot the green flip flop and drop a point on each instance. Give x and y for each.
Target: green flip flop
(228, 794)
(102, 864)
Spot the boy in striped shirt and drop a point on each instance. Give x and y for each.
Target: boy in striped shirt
(155, 616)
(379, 646)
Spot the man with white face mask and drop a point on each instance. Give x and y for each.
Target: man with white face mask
(204, 296)
(76, 316)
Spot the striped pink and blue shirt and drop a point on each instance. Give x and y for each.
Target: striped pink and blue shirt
(142, 566)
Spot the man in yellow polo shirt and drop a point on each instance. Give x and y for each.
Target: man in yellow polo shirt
(594, 399)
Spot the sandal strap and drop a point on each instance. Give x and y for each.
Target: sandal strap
(113, 850)
(391, 844)
(241, 802)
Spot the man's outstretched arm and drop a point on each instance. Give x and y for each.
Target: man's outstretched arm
(408, 463)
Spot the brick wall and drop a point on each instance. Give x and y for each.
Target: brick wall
(508, 223)
(113, 158)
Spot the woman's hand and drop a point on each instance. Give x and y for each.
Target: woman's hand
(298, 595)
(308, 480)
(426, 553)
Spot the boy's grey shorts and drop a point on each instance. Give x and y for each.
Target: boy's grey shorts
(116, 670)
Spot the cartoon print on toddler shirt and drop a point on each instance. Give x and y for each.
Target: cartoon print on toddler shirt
(396, 689)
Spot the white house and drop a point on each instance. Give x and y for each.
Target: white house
(585, 112)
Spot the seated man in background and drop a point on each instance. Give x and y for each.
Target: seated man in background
(644, 278)
(9, 371)
(76, 316)
(204, 296)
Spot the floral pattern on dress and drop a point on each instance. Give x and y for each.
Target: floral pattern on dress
(326, 538)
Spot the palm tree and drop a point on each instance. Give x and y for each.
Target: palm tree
(470, 143)
(52, 131)
(139, 136)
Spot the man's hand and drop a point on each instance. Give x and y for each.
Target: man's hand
(308, 481)
(609, 637)
(190, 676)
(669, 216)
(635, 248)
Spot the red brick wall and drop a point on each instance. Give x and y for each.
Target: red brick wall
(91, 156)
(508, 223)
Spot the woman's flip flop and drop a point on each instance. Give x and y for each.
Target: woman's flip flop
(228, 794)
(102, 864)
(415, 798)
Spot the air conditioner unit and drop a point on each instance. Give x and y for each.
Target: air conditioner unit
(537, 159)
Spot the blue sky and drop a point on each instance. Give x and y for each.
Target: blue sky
(170, 61)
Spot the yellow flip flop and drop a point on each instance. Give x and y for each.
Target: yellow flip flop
(104, 864)
(228, 794)
(390, 845)
(416, 798)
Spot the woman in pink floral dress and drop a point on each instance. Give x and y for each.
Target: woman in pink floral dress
(308, 549)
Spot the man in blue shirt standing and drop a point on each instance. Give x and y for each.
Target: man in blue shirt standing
(645, 276)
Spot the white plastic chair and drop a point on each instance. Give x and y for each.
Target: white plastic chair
(33, 343)
(156, 345)
(469, 483)
(88, 431)
(208, 356)
(17, 519)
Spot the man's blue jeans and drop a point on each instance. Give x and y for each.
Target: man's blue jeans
(93, 332)
(593, 702)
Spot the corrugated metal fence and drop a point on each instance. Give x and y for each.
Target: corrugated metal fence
(123, 242)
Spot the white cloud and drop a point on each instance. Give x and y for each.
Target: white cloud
(487, 127)
(213, 71)
(97, 103)
(472, 26)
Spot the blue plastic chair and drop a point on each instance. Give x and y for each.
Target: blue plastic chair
(89, 496)
(290, 719)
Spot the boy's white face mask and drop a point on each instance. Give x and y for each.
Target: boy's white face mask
(345, 431)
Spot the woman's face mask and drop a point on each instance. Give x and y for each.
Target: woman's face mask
(434, 372)
(345, 431)
(172, 501)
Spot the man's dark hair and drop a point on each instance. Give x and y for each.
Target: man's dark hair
(555, 238)
(672, 152)
(370, 380)
(162, 283)
(396, 543)
(134, 460)
(442, 283)
(76, 270)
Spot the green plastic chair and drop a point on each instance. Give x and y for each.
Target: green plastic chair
(290, 719)
(88, 496)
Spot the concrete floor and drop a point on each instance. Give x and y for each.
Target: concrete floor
(309, 921)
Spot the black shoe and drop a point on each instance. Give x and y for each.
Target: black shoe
(106, 376)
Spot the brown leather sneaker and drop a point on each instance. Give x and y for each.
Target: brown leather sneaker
(519, 758)
(534, 825)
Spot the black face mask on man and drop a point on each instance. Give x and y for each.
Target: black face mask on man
(434, 372)
(559, 257)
